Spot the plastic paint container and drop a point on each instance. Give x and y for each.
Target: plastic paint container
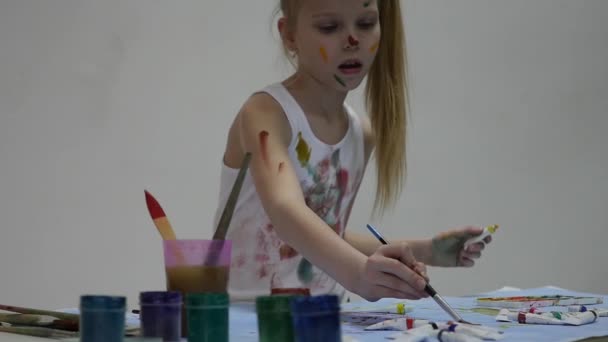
(207, 315)
(274, 318)
(160, 315)
(102, 318)
(316, 318)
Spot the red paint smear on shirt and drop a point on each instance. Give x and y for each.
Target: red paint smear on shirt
(286, 252)
(263, 272)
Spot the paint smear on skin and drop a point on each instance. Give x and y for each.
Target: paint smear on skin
(281, 167)
(264, 146)
(323, 52)
(446, 249)
(303, 150)
(339, 80)
(353, 41)
(367, 3)
(374, 47)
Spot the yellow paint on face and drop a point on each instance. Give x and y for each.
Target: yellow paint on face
(374, 47)
(324, 54)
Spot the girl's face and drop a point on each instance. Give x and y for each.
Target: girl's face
(335, 40)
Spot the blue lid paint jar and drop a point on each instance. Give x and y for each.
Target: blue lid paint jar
(208, 317)
(160, 314)
(102, 318)
(316, 318)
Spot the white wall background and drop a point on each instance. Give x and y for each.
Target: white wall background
(101, 99)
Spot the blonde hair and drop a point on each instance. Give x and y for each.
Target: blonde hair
(289, 8)
(386, 98)
(387, 102)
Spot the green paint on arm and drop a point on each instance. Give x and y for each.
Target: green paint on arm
(339, 80)
(446, 250)
(367, 3)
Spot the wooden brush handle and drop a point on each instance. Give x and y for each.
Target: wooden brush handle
(30, 311)
(222, 226)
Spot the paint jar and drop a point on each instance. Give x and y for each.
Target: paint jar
(316, 318)
(274, 318)
(102, 318)
(296, 291)
(160, 315)
(207, 315)
(196, 266)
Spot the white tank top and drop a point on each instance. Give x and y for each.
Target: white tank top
(329, 175)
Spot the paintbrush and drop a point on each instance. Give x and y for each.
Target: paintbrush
(224, 222)
(40, 332)
(162, 223)
(428, 288)
(160, 219)
(29, 311)
(222, 228)
(39, 321)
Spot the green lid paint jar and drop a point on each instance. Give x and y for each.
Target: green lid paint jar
(274, 318)
(207, 315)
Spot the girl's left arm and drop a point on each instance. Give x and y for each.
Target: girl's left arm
(445, 249)
(368, 244)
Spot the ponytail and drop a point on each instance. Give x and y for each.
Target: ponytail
(387, 103)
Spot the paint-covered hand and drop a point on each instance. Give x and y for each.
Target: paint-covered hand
(448, 248)
(392, 272)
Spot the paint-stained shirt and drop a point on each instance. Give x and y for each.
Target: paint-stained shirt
(329, 176)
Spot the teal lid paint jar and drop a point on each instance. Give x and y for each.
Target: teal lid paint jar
(102, 318)
(274, 318)
(316, 318)
(207, 315)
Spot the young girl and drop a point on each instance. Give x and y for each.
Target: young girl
(309, 153)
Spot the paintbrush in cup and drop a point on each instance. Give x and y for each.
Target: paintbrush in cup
(428, 288)
(219, 235)
(162, 222)
(224, 222)
(158, 216)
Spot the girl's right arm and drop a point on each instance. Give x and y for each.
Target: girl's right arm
(265, 132)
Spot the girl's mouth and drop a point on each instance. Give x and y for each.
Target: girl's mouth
(351, 66)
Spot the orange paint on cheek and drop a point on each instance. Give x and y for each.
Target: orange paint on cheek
(324, 54)
(374, 47)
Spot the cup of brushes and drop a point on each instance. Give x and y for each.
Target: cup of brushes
(199, 269)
